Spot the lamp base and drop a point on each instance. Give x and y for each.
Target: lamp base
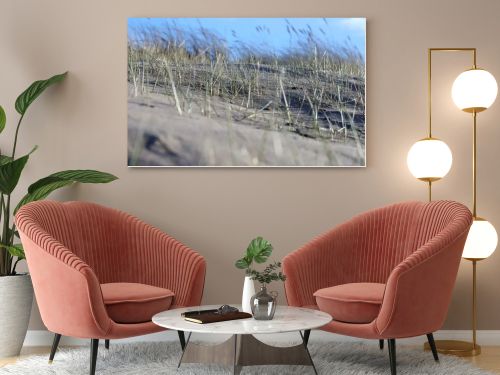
(456, 348)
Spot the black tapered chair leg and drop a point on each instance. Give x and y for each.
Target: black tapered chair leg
(55, 344)
(94, 346)
(106, 344)
(392, 355)
(381, 344)
(432, 344)
(307, 333)
(182, 339)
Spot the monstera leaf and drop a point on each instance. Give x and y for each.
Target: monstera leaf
(258, 250)
(31, 93)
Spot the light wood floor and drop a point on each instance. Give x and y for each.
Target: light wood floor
(488, 360)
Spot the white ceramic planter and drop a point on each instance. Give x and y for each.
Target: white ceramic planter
(16, 298)
(248, 292)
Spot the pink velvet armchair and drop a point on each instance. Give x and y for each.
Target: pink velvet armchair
(99, 273)
(385, 274)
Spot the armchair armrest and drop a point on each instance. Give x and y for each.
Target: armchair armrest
(68, 292)
(419, 289)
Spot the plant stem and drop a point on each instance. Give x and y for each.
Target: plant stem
(3, 255)
(15, 137)
(5, 207)
(5, 235)
(3, 251)
(13, 271)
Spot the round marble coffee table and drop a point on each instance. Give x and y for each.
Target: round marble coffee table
(242, 348)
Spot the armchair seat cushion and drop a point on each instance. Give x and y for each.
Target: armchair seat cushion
(351, 303)
(135, 303)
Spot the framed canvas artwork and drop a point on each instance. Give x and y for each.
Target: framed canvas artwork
(246, 92)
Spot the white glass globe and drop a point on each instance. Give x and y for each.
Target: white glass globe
(481, 241)
(474, 90)
(429, 159)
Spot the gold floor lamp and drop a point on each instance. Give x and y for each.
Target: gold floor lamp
(430, 159)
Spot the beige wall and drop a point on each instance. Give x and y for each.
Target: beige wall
(82, 124)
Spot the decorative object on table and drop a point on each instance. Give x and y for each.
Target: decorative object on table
(258, 250)
(16, 292)
(473, 91)
(222, 314)
(242, 348)
(224, 309)
(246, 92)
(385, 274)
(263, 304)
(70, 265)
(246, 295)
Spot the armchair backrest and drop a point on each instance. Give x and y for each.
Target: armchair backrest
(368, 247)
(379, 241)
(94, 233)
(386, 236)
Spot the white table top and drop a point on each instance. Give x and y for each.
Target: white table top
(286, 319)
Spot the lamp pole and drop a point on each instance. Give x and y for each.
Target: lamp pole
(475, 347)
(474, 165)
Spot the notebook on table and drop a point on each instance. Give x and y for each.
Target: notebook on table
(213, 316)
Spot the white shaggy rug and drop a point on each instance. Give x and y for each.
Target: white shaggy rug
(162, 358)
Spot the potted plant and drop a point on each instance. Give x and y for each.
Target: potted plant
(258, 251)
(16, 291)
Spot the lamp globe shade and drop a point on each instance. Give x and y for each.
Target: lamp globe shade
(474, 90)
(481, 241)
(429, 159)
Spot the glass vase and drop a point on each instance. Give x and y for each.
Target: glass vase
(263, 304)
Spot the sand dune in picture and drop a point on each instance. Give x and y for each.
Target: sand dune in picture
(160, 136)
(246, 92)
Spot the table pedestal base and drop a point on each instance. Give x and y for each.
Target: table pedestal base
(246, 350)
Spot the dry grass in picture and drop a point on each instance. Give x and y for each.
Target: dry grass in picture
(246, 92)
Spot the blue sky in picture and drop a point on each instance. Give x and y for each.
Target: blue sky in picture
(270, 33)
